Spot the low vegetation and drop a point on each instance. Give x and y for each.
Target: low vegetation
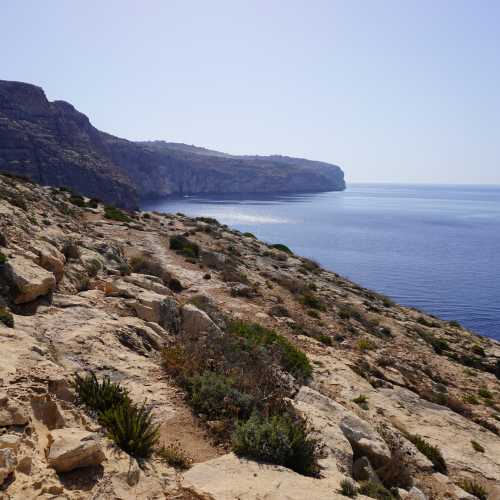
(361, 401)
(348, 488)
(474, 488)
(175, 456)
(3, 258)
(184, 246)
(376, 490)
(148, 265)
(130, 426)
(281, 247)
(6, 317)
(116, 214)
(477, 447)
(433, 453)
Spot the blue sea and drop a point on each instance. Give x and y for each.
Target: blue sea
(436, 248)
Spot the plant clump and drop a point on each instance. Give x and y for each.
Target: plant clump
(348, 488)
(184, 246)
(175, 456)
(6, 317)
(282, 248)
(113, 213)
(474, 489)
(433, 453)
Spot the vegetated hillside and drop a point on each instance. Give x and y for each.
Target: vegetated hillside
(54, 144)
(149, 355)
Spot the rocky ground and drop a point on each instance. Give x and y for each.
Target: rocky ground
(74, 299)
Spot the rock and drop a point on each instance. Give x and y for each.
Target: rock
(30, 280)
(365, 441)
(229, 477)
(214, 260)
(50, 258)
(279, 311)
(25, 464)
(11, 413)
(151, 283)
(156, 308)
(11, 441)
(362, 470)
(494, 493)
(46, 410)
(73, 448)
(134, 473)
(415, 494)
(8, 463)
(452, 489)
(196, 321)
(241, 290)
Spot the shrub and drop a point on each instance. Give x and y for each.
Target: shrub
(175, 456)
(325, 339)
(281, 247)
(455, 324)
(280, 440)
(477, 349)
(184, 246)
(3, 258)
(348, 488)
(485, 393)
(365, 344)
(215, 396)
(93, 203)
(313, 313)
(77, 200)
(361, 401)
(131, 428)
(291, 358)
(93, 267)
(70, 250)
(147, 265)
(114, 213)
(474, 489)
(477, 446)
(375, 490)
(99, 396)
(249, 235)
(6, 317)
(347, 311)
(175, 285)
(433, 453)
(310, 300)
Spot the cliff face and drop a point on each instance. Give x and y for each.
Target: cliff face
(157, 301)
(54, 144)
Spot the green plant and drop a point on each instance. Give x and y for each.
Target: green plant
(6, 317)
(175, 285)
(131, 428)
(375, 490)
(114, 213)
(99, 396)
(93, 266)
(365, 344)
(474, 489)
(433, 453)
(77, 200)
(70, 250)
(313, 313)
(361, 401)
(148, 265)
(471, 399)
(175, 456)
(249, 235)
(455, 324)
(93, 203)
(281, 247)
(292, 358)
(214, 395)
(477, 349)
(485, 393)
(280, 440)
(184, 246)
(325, 339)
(310, 300)
(3, 258)
(477, 446)
(348, 488)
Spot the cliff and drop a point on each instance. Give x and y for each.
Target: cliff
(263, 375)
(54, 144)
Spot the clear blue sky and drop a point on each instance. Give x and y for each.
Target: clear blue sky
(397, 91)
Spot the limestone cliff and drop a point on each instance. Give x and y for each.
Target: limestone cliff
(54, 144)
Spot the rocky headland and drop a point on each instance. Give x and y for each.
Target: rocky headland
(148, 355)
(54, 144)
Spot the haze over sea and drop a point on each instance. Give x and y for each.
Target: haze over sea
(436, 248)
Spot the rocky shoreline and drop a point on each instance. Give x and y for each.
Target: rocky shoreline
(402, 403)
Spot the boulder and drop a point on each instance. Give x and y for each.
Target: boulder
(11, 413)
(73, 448)
(196, 321)
(242, 290)
(50, 258)
(365, 441)
(415, 494)
(30, 280)
(156, 308)
(8, 462)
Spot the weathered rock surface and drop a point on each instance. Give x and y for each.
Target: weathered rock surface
(73, 448)
(195, 321)
(11, 412)
(8, 463)
(30, 280)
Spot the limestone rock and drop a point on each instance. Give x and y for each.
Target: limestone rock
(415, 494)
(31, 280)
(156, 308)
(494, 493)
(364, 440)
(196, 321)
(10, 441)
(50, 258)
(8, 463)
(11, 413)
(72, 448)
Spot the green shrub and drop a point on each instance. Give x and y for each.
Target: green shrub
(147, 265)
(175, 456)
(99, 396)
(347, 311)
(280, 440)
(433, 453)
(292, 359)
(131, 428)
(310, 300)
(477, 447)
(77, 200)
(375, 490)
(93, 266)
(114, 213)
(249, 235)
(325, 339)
(474, 489)
(175, 285)
(93, 203)
(215, 396)
(365, 344)
(70, 250)
(477, 349)
(184, 246)
(281, 247)
(6, 317)
(348, 488)
(485, 393)
(455, 324)
(3, 258)
(361, 401)
(313, 313)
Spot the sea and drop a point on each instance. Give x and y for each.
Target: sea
(432, 247)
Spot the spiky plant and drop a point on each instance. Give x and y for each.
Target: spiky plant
(131, 427)
(348, 488)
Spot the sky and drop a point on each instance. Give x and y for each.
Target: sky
(392, 91)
